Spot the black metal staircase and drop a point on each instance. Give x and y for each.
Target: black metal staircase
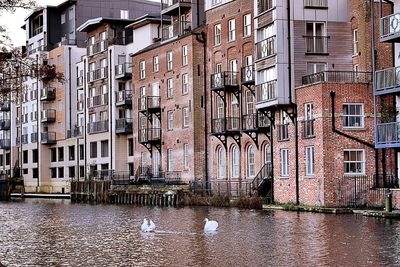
(263, 182)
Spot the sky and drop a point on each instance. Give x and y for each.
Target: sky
(13, 22)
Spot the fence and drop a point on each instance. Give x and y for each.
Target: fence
(225, 187)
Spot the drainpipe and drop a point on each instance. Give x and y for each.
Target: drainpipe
(372, 3)
(203, 40)
(84, 115)
(70, 89)
(111, 106)
(38, 117)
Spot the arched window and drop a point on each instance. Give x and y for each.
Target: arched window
(235, 162)
(250, 162)
(221, 163)
(267, 154)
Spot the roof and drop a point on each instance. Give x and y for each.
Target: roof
(146, 19)
(92, 23)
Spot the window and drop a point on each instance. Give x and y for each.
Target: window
(284, 162)
(184, 55)
(71, 152)
(170, 88)
(104, 148)
(130, 147)
(267, 154)
(235, 162)
(170, 124)
(8, 158)
(81, 171)
(315, 67)
(25, 171)
(60, 154)
(142, 69)
(53, 154)
(186, 156)
(355, 42)
(231, 30)
(124, 14)
(249, 102)
(246, 25)
(156, 64)
(81, 152)
(93, 149)
(185, 84)
(221, 163)
(35, 173)
(60, 172)
(353, 115)
(250, 162)
(70, 13)
(34, 155)
(354, 162)
(103, 35)
(217, 34)
(53, 172)
(71, 172)
(185, 115)
(62, 18)
(170, 166)
(309, 160)
(169, 61)
(59, 59)
(25, 156)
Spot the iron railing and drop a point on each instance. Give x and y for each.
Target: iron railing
(222, 125)
(338, 77)
(149, 102)
(229, 188)
(5, 143)
(94, 75)
(390, 25)
(48, 93)
(76, 132)
(123, 70)
(97, 127)
(5, 124)
(316, 3)
(123, 125)
(79, 81)
(266, 91)
(224, 79)
(98, 100)
(266, 48)
(124, 97)
(308, 128)
(97, 47)
(168, 3)
(149, 135)
(176, 29)
(48, 138)
(388, 133)
(254, 121)
(34, 137)
(248, 74)
(264, 174)
(316, 44)
(48, 115)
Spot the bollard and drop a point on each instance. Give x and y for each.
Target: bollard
(388, 202)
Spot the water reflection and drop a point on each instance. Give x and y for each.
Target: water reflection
(51, 232)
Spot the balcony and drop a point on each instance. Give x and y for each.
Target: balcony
(80, 105)
(34, 137)
(5, 124)
(247, 76)
(97, 47)
(123, 71)
(264, 5)
(149, 104)
(79, 82)
(316, 4)
(48, 115)
(227, 80)
(48, 94)
(308, 128)
(171, 7)
(48, 138)
(177, 29)
(390, 28)
(5, 143)
(283, 132)
(124, 99)
(97, 127)
(387, 81)
(388, 134)
(254, 122)
(76, 132)
(316, 45)
(23, 139)
(225, 125)
(266, 91)
(122, 40)
(98, 100)
(123, 126)
(265, 48)
(338, 77)
(149, 135)
(4, 106)
(98, 74)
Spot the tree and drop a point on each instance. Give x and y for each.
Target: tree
(12, 5)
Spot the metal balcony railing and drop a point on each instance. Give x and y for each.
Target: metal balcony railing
(266, 48)
(76, 132)
(149, 102)
(387, 80)
(147, 135)
(34, 137)
(80, 105)
(48, 115)
(79, 81)
(48, 94)
(390, 27)
(388, 133)
(5, 143)
(48, 138)
(176, 29)
(97, 47)
(247, 76)
(5, 124)
(316, 4)
(169, 3)
(124, 98)
(123, 70)
(283, 132)
(223, 125)
(266, 91)
(97, 127)
(98, 100)
(24, 139)
(97, 74)
(308, 128)
(264, 5)
(123, 125)
(5, 106)
(316, 44)
(224, 79)
(338, 77)
(254, 122)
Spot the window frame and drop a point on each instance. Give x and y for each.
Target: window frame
(170, 120)
(231, 30)
(185, 117)
(251, 162)
(310, 160)
(247, 27)
(217, 34)
(347, 117)
(142, 69)
(362, 162)
(284, 158)
(185, 56)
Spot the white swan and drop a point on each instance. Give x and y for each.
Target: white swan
(210, 226)
(147, 226)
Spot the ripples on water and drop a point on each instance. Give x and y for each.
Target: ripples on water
(55, 232)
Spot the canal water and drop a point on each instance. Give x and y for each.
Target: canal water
(58, 233)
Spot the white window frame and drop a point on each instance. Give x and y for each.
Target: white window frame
(221, 163)
(170, 124)
(185, 83)
(310, 161)
(185, 59)
(359, 171)
(356, 49)
(247, 25)
(348, 117)
(169, 60)
(217, 34)
(235, 162)
(186, 156)
(170, 164)
(251, 172)
(142, 69)
(231, 30)
(185, 117)
(156, 64)
(170, 88)
(284, 162)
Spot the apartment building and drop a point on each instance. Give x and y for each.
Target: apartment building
(313, 74)
(49, 115)
(168, 98)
